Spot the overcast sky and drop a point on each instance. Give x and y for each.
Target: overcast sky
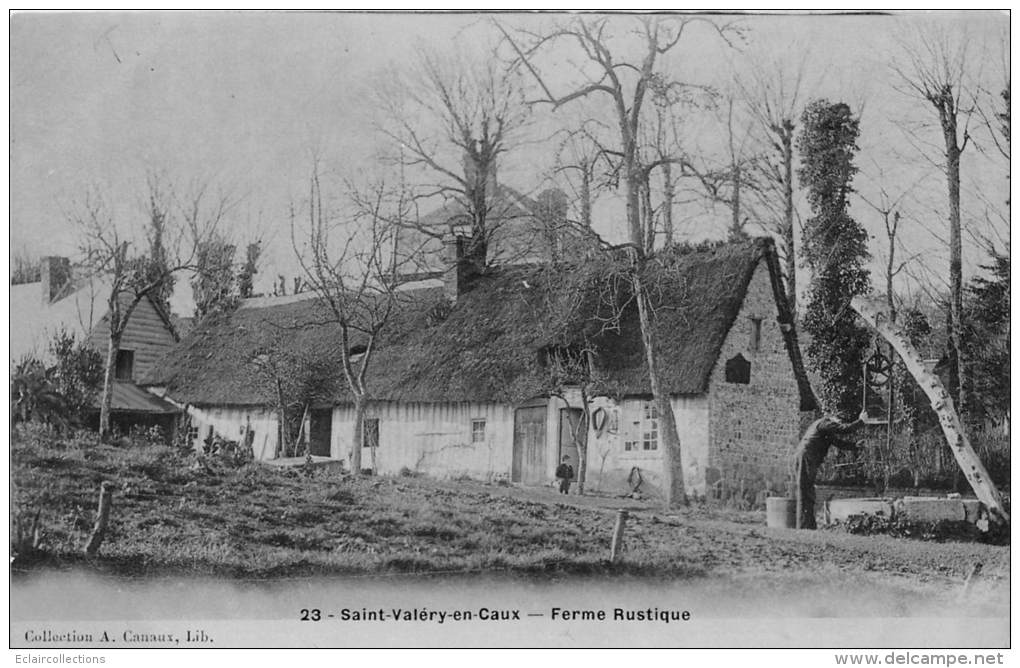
(242, 100)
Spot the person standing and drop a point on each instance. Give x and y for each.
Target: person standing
(565, 473)
(807, 459)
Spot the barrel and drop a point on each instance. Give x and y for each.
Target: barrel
(781, 512)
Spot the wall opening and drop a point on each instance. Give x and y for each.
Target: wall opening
(738, 370)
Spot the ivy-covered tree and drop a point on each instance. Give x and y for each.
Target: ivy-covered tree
(158, 267)
(835, 247)
(246, 275)
(214, 281)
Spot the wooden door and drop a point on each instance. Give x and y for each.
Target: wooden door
(570, 423)
(320, 431)
(529, 466)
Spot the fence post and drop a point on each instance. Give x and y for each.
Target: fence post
(102, 519)
(617, 545)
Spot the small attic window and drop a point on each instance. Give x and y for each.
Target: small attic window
(738, 370)
(754, 345)
(357, 351)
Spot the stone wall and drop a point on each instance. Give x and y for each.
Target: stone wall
(753, 427)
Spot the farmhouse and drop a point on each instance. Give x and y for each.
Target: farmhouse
(63, 302)
(472, 377)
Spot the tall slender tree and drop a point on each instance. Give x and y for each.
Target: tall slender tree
(775, 92)
(348, 263)
(933, 70)
(627, 86)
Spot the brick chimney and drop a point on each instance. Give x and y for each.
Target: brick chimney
(55, 273)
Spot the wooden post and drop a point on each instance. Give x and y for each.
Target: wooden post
(941, 403)
(975, 571)
(103, 518)
(617, 546)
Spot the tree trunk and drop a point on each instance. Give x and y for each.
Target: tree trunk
(955, 268)
(648, 217)
(667, 202)
(360, 405)
(791, 253)
(281, 411)
(586, 199)
(672, 462)
(109, 378)
(736, 229)
(672, 468)
(583, 427)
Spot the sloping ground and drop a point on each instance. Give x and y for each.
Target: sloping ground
(175, 515)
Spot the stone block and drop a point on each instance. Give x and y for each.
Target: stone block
(842, 509)
(932, 509)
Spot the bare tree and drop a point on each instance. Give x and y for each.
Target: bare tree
(934, 69)
(133, 274)
(625, 85)
(350, 265)
(451, 121)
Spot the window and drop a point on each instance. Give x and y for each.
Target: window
(755, 344)
(370, 433)
(649, 426)
(738, 370)
(125, 364)
(478, 431)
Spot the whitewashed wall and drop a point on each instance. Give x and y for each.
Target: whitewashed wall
(434, 439)
(610, 466)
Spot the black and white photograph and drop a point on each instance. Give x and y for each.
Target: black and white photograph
(522, 329)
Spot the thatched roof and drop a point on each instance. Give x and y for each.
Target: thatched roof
(492, 345)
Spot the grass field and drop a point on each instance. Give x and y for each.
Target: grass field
(172, 515)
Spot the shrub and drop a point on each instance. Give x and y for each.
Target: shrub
(147, 436)
(226, 452)
(901, 527)
(77, 374)
(35, 395)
